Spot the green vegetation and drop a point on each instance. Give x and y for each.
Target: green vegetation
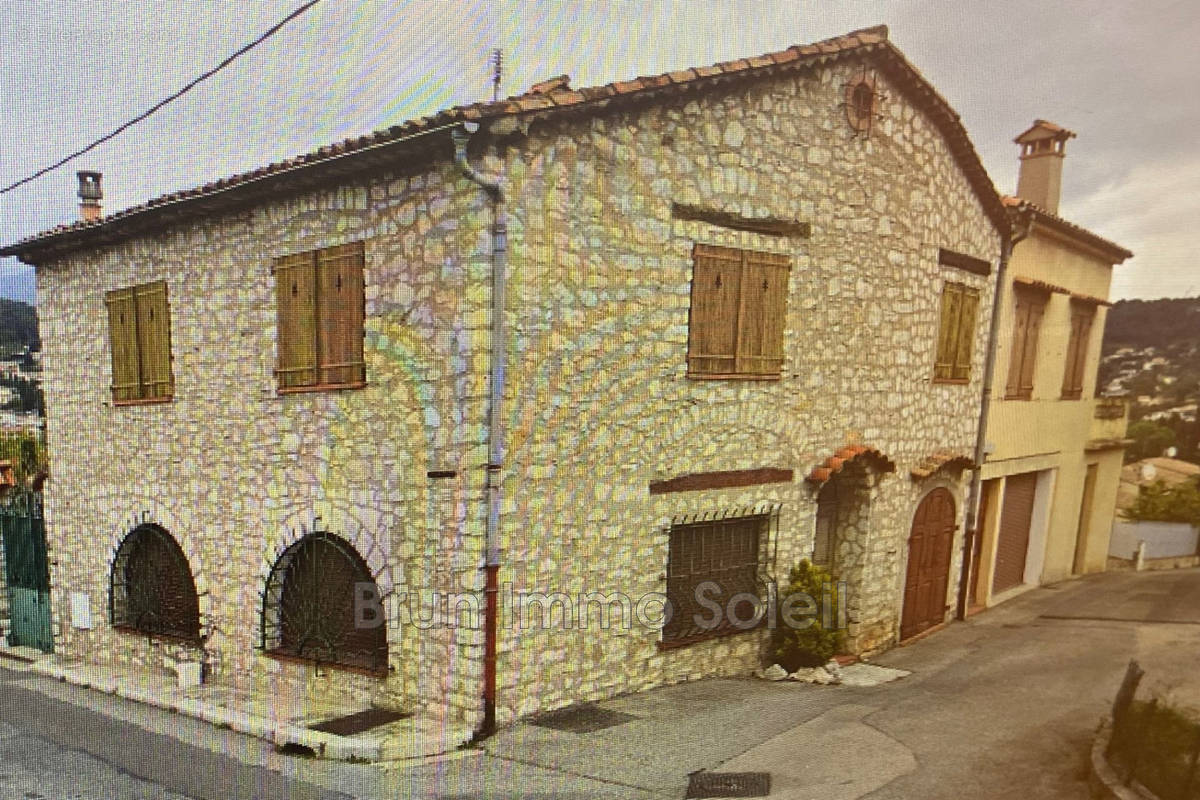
(1161, 503)
(1150, 440)
(1158, 745)
(1153, 323)
(812, 646)
(18, 326)
(26, 451)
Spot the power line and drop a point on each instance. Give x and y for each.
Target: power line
(203, 77)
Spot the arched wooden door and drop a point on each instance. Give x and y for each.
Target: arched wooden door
(929, 550)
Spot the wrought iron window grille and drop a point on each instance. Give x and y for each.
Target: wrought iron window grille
(152, 590)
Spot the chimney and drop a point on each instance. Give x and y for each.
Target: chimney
(89, 196)
(1043, 148)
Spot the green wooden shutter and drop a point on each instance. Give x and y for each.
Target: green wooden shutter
(296, 305)
(713, 328)
(340, 305)
(943, 368)
(123, 342)
(154, 339)
(965, 333)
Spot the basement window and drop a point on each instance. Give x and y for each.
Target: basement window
(152, 590)
(309, 608)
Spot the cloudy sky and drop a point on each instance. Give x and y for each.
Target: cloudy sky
(70, 70)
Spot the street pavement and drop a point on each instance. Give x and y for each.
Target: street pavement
(1003, 705)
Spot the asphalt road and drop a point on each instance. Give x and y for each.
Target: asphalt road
(1002, 706)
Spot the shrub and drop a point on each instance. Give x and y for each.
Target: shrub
(1161, 503)
(794, 648)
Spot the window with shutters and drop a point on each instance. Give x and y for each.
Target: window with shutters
(152, 590)
(1027, 323)
(139, 330)
(956, 333)
(310, 606)
(1082, 316)
(320, 306)
(711, 561)
(739, 302)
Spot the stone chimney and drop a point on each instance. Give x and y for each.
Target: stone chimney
(1043, 148)
(90, 195)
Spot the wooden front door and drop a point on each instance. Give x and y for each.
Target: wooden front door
(1012, 545)
(929, 550)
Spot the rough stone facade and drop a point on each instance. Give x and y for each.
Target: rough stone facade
(598, 403)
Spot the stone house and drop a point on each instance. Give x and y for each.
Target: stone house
(744, 314)
(1050, 479)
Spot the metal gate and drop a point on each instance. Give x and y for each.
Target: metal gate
(26, 571)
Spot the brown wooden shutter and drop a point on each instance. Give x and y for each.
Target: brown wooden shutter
(943, 367)
(295, 293)
(154, 339)
(1029, 357)
(712, 330)
(123, 340)
(762, 313)
(340, 314)
(965, 333)
(1081, 329)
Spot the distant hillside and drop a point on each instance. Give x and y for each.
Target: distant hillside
(1153, 323)
(18, 326)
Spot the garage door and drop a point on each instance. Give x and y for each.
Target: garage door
(1012, 546)
(929, 550)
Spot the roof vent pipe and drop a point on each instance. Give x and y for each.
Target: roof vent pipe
(90, 195)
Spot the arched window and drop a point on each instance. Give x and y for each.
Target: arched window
(309, 609)
(152, 590)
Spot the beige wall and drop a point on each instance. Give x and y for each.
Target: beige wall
(1048, 432)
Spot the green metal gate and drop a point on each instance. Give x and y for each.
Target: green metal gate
(27, 574)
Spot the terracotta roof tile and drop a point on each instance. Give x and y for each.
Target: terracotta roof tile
(556, 93)
(835, 462)
(1017, 206)
(941, 460)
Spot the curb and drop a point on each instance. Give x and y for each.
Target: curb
(1103, 780)
(282, 734)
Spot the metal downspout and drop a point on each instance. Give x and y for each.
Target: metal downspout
(461, 135)
(970, 534)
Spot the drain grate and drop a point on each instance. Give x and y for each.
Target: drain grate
(359, 722)
(729, 784)
(586, 718)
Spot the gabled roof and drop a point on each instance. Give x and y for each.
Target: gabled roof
(1018, 207)
(549, 97)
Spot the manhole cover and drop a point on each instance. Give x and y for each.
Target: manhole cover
(729, 784)
(584, 718)
(358, 723)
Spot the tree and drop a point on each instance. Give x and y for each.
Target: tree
(1150, 439)
(1160, 503)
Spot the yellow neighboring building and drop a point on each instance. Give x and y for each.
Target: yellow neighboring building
(1053, 449)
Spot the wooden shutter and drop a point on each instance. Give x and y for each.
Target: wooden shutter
(965, 333)
(154, 339)
(763, 311)
(1033, 325)
(1081, 329)
(340, 314)
(943, 368)
(123, 341)
(712, 330)
(295, 293)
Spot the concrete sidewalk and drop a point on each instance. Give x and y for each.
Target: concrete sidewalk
(244, 712)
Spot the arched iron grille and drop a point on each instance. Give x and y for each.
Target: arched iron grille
(152, 589)
(309, 606)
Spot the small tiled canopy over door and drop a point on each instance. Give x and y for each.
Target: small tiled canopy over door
(929, 551)
(1012, 544)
